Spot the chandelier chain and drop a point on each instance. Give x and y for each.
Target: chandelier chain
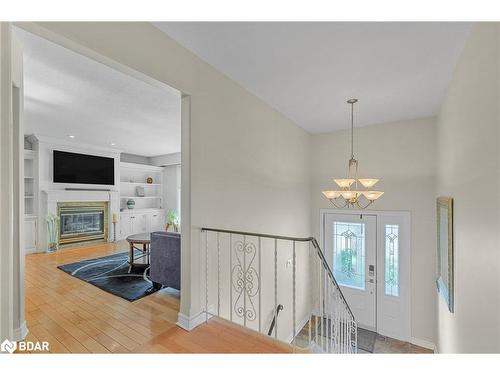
(352, 130)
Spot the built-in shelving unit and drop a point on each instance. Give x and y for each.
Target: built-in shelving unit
(30, 189)
(30, 200)
(134, 176)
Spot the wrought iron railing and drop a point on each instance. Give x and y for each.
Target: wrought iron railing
(275, 318)
(248, 275)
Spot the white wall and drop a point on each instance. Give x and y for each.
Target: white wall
(249, 165)
(468, 171)
(171, 188)
(403, 156)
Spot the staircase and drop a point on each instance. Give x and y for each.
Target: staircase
(279, 286)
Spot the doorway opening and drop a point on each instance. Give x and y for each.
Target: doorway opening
(131, 125)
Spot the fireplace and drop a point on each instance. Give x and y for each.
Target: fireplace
(82, 221)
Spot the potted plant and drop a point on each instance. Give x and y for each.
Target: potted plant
(172, 220)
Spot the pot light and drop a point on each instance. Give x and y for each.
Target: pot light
(71, 136)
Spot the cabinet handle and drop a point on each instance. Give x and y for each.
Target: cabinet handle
(132, 217)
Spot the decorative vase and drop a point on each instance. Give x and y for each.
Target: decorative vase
(52, 232)
(130, 204)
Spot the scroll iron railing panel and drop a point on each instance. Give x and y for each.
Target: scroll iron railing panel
(331, 326)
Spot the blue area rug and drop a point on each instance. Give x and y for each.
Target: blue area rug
(110, 273)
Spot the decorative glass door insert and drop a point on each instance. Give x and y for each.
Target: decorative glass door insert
(391, 260)
(349, 254)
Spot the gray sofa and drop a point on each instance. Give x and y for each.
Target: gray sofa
(165, 252)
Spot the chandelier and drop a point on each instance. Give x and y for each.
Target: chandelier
(349, 194)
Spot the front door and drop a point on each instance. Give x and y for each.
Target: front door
(351, 250)
(369, 255)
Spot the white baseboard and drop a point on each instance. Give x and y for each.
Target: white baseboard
(301, 325)
(19, 334)
(188, 323)
(424, 344)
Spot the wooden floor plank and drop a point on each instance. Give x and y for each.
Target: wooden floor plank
(77, 317)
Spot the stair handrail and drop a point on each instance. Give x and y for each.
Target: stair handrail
(297, 239)
(275, 317)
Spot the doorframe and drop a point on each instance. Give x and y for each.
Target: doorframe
(405, 217)
(12, 321)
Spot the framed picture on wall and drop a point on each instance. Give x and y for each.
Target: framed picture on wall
(445, 254)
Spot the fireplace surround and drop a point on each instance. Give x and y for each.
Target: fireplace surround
(82, 222)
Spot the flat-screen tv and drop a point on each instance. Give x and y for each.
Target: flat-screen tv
(71, 168)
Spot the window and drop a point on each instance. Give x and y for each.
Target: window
(349, 254)
(392, 260)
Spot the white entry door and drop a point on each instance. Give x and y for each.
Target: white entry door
(369, 255)
(351, 250)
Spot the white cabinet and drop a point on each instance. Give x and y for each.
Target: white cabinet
(157, 222)
(140, 221)
(30, 234)
(125, 226)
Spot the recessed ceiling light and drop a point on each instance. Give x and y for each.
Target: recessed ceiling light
(71, 136)
(112, 144)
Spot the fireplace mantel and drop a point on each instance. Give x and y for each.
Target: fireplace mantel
(50, 199)
(54, 196)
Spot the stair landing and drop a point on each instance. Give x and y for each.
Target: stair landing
(216, 336)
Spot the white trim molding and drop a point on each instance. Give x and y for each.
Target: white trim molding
(19, 334)
(189, 323)
(12, 318)
(424, 344)
(300, 327)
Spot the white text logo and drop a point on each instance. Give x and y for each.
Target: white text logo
(8, 346)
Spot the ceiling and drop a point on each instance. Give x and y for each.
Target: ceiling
(307, 71)
(69, 94)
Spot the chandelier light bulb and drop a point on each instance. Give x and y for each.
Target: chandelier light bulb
(368, 183)
(331, 194)
(349, 194)
(344, 183)
(372, 195)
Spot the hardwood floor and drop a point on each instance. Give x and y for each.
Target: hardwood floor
(77, 317)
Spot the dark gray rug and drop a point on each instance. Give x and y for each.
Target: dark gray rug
(110, 273)
(366, 340)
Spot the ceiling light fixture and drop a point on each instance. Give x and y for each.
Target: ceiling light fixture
(71, 136)
(345, 197)
(112, 144)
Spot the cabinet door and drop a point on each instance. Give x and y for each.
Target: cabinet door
(156, 222)
(30, 234)
(124, 226)
(134, 228)
(142, 223)
(138, 224)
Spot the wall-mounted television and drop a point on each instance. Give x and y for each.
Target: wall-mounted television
(71, 168)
